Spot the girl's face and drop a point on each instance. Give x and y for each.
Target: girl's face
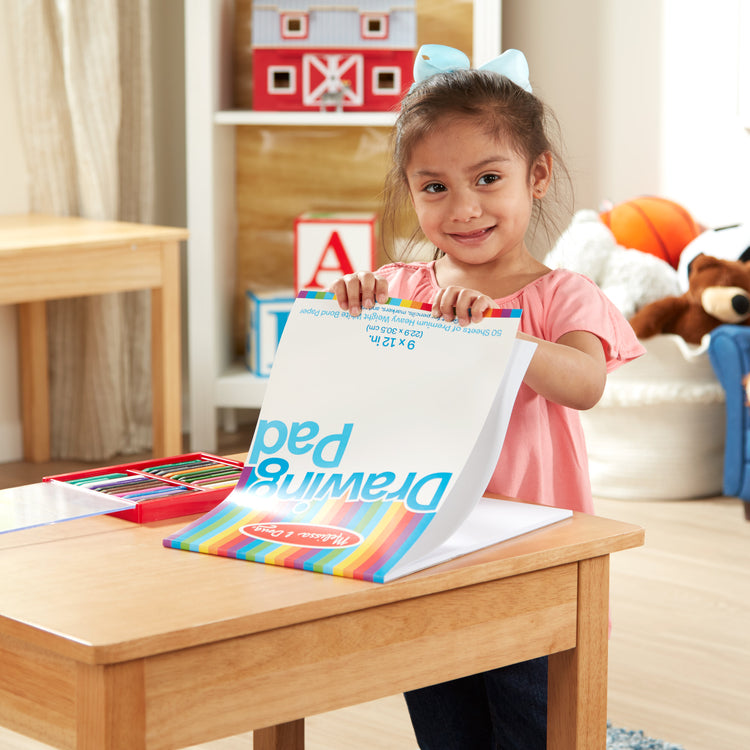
(473, 194)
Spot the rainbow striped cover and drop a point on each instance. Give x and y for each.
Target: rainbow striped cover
(350, 539)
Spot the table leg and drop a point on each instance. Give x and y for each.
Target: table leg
(166, 357)
(577, 710)
(34, 372)
(289, 736)
(111, 707)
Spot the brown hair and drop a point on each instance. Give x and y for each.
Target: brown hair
(504, 109)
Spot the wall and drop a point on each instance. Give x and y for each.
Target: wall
(596, 64)
(168, 58)
(648, 95)
(705, 146)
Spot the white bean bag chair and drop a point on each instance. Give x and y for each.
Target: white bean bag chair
(658, 431)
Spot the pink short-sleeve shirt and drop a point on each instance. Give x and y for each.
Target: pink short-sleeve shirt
(544, 457)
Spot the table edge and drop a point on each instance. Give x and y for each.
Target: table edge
(475, 568)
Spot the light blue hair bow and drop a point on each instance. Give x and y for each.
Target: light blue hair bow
(437, 58)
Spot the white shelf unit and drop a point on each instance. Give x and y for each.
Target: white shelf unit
(330, 119)
(215, 380)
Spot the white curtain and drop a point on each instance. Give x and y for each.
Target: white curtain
(83, 72)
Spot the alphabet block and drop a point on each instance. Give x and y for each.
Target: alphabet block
(329, 245)
(267, 312)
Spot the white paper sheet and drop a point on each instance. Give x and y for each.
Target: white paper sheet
(49, 502)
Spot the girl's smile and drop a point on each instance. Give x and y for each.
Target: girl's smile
(478, 234)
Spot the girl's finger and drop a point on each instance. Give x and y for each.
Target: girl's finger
(353, 294)
(479, 307)
(367, 283)
(464, 302)
(444, 304)
(381, 290)
(339, 289)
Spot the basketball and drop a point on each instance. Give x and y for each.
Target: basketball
(652, 225)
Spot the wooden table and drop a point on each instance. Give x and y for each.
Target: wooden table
(109, 641)
(48, 257)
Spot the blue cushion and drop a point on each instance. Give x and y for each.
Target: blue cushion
(729, 353)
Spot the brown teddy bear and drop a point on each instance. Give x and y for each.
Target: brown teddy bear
(719, 292)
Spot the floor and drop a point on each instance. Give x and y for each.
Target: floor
(680, 649)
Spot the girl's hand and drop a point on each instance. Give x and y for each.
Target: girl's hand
(457, 303)
(359, 290)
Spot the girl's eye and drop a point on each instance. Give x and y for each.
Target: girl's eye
(434, 187)
(488, 179)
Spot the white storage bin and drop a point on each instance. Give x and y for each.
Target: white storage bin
(658, 431)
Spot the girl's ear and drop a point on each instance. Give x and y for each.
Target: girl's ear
(541, 174)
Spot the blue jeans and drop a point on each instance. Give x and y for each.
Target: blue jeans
(504, 708)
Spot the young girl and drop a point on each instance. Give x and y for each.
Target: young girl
(472, 157)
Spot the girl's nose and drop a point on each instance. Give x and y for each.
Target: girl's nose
(465, 205)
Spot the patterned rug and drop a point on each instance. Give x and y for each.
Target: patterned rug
(625, 739)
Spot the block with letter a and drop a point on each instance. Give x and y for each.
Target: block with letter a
(328, 245)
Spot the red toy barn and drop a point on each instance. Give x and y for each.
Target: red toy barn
(332, 56)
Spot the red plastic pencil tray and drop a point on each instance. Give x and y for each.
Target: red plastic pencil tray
(184, 496)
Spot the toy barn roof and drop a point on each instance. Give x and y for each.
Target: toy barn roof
(362, 6)
(335, 23)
